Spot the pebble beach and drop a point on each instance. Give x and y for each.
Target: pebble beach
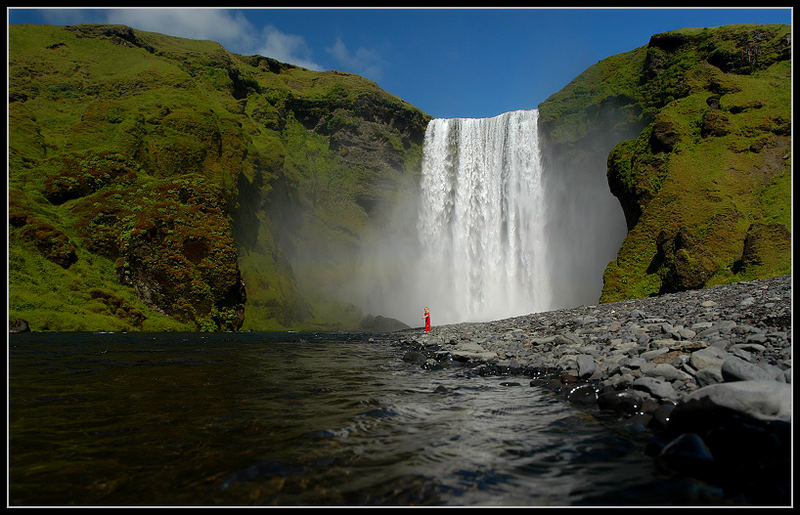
(706, 372)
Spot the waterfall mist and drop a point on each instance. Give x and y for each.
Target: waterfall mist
(490, 233)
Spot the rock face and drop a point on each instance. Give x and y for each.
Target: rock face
(708, 371)
(382, 324)
(694, 130)
(207, 190)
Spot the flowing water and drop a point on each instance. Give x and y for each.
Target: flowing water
(300, 419)
(500, 228)
(481, 217)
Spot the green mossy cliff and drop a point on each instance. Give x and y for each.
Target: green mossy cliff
(159, 183)
(696, 127)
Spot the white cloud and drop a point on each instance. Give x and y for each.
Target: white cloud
(287, 48)
(232, 30)
(363, 62)
(229, 28)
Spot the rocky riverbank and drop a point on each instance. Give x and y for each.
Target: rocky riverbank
(708, 372)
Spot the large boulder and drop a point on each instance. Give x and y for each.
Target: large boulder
(761, 400)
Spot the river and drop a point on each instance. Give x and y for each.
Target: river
(311, 419)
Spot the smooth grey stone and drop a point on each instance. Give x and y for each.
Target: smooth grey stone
(707, 376)
(622, 380)
(741, 353)
(664, 370)
(656, 387)
(737, 369)
(708, 357)
(763, 400)
(586, 365)
(653, 353)
(749, 347)
(568, 338)
(707, 333)
(724, 325)
(757, 338)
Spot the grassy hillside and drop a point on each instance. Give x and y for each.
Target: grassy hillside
(700, 124)
(160, 183)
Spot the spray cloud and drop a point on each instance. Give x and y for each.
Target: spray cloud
(492, 232)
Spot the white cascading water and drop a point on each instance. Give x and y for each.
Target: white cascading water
(481, 218)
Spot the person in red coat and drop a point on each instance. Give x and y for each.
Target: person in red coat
(427, 317)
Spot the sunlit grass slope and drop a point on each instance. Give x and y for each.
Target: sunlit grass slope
(160, 183)
(706, 185)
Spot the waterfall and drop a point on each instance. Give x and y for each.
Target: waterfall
(502, 226)
(481, 219)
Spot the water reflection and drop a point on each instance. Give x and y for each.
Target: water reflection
(262, 419)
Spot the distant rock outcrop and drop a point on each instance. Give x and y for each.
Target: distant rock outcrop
(382, 324)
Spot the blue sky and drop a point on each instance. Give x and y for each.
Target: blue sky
(447, 62)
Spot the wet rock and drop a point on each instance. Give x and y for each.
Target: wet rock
(689, 454)
(414, 356)
(432, 364)
(626, 402)
(640, 421)
(660, 417)
(583, 394)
